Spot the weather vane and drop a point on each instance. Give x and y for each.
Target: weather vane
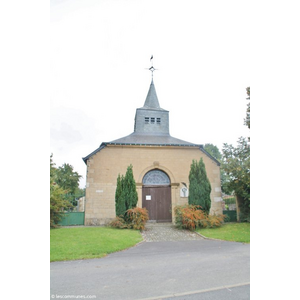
(152, 69)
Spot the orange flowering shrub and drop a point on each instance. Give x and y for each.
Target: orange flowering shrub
(137, 218)
(192, 216)
(118, 222)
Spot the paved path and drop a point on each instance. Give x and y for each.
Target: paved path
(160, 232)
(169, 264)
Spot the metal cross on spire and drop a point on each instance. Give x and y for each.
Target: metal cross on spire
(152, 69)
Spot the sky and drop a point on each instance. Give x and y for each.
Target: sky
(100, 55)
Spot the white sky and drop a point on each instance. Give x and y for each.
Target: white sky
(99, 54)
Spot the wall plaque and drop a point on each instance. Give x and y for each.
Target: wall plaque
(184, 192)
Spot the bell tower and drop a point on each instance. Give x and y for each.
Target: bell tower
(151, 118)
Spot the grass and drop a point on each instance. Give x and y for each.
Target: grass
(237, 232)
(89, 242)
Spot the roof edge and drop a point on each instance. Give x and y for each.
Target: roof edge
(103, 145)
(152, 144)
(209, 155)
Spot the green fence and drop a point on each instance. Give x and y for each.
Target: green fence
(231, 214)
(72, 218)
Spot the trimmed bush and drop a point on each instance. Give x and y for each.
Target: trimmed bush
(136, 218)
(215, 220)
(118, 222)
(192, 217)
(188, 216)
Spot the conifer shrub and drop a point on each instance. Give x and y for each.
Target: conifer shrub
(126, 196)
(199, 186)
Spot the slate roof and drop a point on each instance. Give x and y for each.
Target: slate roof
(151, 139)
(151, 101)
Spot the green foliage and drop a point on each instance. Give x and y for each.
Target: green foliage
(63, 182)
(119, 197)
(136, 219)
(129, 189)
(57, 197)
(126, 196)
(230, 215)
(230, 200)
(213, 151)
(199, 188)
(192, 217)
(68, 179)
(236, 167)
(226, 217)
(244, 216)
(247, 120)
(118, 222)
(236, 164)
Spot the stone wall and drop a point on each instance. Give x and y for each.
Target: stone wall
(104, 166)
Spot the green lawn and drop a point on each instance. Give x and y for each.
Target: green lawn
(89, 242)
(237, 232)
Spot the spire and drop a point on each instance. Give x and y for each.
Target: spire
(151, 99)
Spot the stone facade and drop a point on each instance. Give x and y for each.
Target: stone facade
(105, 165)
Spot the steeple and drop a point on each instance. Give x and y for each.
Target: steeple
(151, 99)
(151, 118)
(151, 125)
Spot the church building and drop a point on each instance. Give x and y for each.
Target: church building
(161, 165)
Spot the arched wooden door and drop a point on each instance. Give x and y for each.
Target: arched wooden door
(157, 196)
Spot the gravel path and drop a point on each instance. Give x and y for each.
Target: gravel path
(158, 232)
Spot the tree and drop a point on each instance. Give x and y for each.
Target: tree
(57, 200)
(213, 151)
(199, 186)
(67, 178)
(236, 164)
(247, 120)
(129, 189)
(126, 196)
(119, 199)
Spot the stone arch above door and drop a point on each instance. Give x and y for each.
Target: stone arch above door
(156, 177)
(152, 168)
